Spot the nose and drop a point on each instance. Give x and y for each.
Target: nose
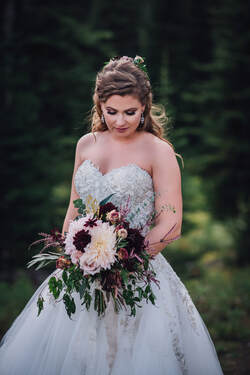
(120, 120)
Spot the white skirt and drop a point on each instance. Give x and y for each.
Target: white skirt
(168, 338)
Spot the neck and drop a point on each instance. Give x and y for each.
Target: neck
(123, 139)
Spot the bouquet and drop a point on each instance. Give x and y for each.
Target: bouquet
(100, 257)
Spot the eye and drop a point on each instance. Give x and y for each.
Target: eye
(130, 113)
(111, 113)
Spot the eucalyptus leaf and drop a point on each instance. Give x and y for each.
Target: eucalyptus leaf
(104, 201)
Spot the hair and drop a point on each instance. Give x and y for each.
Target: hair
(121, 76)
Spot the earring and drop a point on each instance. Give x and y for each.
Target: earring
(102, 119)
(142, 119)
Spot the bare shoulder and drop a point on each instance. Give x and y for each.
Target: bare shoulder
(163, 156)
(159, 149)
(85, 140)
(83, 143)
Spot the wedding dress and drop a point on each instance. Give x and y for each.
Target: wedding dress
(169, 338)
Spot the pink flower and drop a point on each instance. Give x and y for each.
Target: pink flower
(113, 216)
(122, 233)
(89, 266)
(75, 256)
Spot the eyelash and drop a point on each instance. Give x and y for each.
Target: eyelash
(113, 113)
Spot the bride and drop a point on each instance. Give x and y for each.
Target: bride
(124, 154)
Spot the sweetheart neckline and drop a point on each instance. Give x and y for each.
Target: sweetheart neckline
(114, 169)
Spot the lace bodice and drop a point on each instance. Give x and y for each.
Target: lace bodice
(130, 184)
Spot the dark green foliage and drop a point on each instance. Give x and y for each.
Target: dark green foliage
(50, 57)
(78, 203)
(55, 286)
(69, 304)
(40, 302)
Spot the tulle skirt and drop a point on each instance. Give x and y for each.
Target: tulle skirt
(167, 338)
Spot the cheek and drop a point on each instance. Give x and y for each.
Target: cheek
(110, 119)
(134, 119)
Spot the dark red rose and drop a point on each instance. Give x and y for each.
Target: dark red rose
(63, 263)
(106, 208)
(81, 239)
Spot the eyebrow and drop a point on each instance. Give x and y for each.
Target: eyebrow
(129, 109)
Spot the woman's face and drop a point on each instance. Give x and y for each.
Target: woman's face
(122, 112)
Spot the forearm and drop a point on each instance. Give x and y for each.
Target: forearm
(71, 214)
(160, 236)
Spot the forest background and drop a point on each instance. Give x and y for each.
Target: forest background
(198, 57)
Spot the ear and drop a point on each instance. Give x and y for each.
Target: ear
(102, 106)
(143, 107)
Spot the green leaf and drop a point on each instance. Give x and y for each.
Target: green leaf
(40, 305)
(152, 298)
(140, 292)
(148, 289)
(104, 201)
(146, 264)
(78, 203)
(124, 275)
(88, 300)
(52, 283)
(69, 304)
(55, 286)
(82, 288)
(133, 311)
(96, 303)
(65, 276)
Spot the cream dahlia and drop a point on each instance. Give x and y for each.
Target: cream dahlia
(100, 252)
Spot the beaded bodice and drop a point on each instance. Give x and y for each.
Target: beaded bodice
(130, 184)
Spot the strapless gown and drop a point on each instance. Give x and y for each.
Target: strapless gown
(169, 338)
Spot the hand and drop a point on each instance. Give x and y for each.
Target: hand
(152, 252)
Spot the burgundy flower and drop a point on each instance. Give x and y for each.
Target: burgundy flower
(56, 236)
(63, 263)
(122, 253)
(91, 223)
(135, 240)
(110, 280)
(106, 208)
(130, 264)
(81, 239)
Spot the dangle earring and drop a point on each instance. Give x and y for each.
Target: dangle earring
(142, 120)
(102, 119)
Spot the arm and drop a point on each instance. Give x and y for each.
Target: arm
(72, 212)
(167, 187)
